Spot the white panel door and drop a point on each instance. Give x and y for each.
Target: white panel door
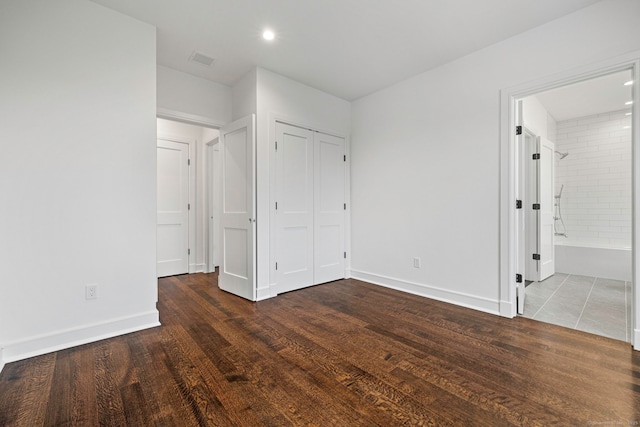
(237, 218)
(329, 208)
(546, 264)
(294, 209)
(173, 212)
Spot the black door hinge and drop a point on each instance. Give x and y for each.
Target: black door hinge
(518, 278)
(536, 257)
(536, 156)
(518, 130)
(518, 204)
(536, 206)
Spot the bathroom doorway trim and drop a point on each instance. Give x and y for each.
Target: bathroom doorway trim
(508, 221)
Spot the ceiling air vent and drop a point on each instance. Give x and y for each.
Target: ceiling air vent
(201, 59)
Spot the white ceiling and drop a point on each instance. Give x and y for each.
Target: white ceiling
(595, 96)
(348, 48)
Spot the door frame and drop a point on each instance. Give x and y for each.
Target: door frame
(508, 172)
(212, 170)
(191, 119)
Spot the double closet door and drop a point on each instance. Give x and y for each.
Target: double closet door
(310, 208)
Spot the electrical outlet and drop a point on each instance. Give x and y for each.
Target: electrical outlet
(416, 262)
(91, 292)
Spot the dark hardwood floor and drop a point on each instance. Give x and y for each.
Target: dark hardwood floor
(345, 353)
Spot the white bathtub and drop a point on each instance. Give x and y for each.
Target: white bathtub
(585, 260)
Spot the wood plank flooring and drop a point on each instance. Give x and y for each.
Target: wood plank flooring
(345, 353)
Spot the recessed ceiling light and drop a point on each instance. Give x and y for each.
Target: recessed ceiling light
(629, 83)
(626, 127)
(627, 114)
(268, 35)
(628, 103)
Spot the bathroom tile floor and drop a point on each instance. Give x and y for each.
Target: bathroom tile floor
(590, 304)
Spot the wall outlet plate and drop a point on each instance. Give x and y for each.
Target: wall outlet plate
(91, 291)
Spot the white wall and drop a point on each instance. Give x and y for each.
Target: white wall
(244, 95)
(278, 97)
(193, 99)
(426, 157)
(77, 175)
(537, 119)
(596, 199)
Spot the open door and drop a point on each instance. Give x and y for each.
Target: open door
(546, 264)
(238, 219)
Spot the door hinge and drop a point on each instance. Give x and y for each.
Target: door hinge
(518, 278)
(276, 145)
(518, 130)
(188, 162)
(536, 156)
(188, 206)
(345, 206)
(536, 257)
(345, 157)
(518, 204)
(345, 255)
(536, 206)
(276, 265)
(276, 205)
(188, 251)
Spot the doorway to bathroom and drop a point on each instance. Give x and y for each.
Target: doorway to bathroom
(574, 152)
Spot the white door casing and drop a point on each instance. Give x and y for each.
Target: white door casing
(546, 264)
(520, 215)
(294, 207)
(237, 219)
(172, 208)
(213, 176)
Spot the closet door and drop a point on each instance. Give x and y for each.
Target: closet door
(329, 208)
(294, 209)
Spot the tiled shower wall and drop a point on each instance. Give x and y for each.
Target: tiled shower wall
(596, 199)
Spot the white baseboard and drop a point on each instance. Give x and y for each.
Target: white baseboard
(59, 340)
(636, 339)
(201, 268)
(263, 293)
(458, 298)
(507, 309)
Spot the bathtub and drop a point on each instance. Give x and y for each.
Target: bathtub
(586, 260)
